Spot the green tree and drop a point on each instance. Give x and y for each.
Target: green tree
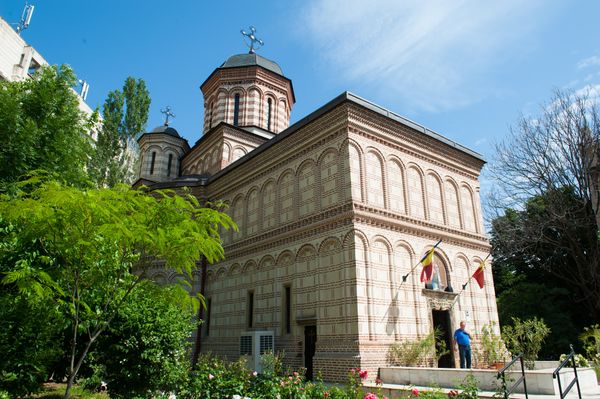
(145, 349)
(96, 246)
(526, 337)
(125, 114)
(30, 332)
(41, 127)
(525, 266)
(548, 167)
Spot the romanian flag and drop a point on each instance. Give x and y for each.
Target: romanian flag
(427, 263)
(478, 275)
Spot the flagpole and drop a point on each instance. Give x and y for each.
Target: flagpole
(464, 286)
(415, 266)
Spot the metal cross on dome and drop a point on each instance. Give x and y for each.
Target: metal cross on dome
(254, 41)
(168, 113)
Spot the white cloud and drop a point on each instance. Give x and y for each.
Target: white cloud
(432, 54)
(589, 62)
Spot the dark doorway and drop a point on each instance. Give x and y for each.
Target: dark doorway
(310, 341)
(441, 321)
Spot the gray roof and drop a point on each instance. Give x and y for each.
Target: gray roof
(166, 129)
(352, 98)
(242, 60)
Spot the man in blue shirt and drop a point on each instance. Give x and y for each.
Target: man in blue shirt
(462, 343)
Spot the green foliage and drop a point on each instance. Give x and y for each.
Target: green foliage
(125, 113)
(469, 387)
(525, 337)
(531, 260)
(419, 351)
(590, 337)
(56, 391)
(41, 127)
(492, 347)
(145, 348)
(547, 170)
(30, 329)
(580, 361)
(272, 363)
(215, 378)
(435, 393)
(91, 242)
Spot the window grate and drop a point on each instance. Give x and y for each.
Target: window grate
(266, 343)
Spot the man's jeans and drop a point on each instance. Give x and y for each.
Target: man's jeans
(464, 352)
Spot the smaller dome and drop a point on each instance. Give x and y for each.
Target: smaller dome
(166, 129)
(252, 59)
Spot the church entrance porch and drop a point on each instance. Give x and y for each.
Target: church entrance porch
(310, 342)
(441, 322)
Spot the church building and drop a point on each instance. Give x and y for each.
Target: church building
(334, 214)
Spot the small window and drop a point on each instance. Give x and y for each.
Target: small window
(287, 303)
(210, 115)
(169, 163)
(236, 110)
(152, 162)
(208, 308)
(250, 308)
(269, 112)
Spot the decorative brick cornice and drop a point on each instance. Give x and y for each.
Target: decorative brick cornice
(395, 135)
(305, 228)
(317, 134)
(389, 220)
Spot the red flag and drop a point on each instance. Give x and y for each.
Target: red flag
(479, 276)
(427, 263)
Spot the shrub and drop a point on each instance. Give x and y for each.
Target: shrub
(419, 351)
(525, 337)
(145, 349)
(580, 361)
(492, 347)
(591, 344)
(30, 336)
(469, 387)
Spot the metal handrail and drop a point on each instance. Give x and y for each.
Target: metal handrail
(556, 375)
(502, 376)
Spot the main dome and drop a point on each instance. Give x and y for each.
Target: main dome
(243, 60)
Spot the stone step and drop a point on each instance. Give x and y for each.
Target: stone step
(393, 390)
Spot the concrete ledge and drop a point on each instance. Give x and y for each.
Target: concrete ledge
(393, 390)
(538, 382)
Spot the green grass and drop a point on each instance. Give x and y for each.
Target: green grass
(57, 391)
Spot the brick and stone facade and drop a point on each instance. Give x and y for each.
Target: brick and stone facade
(332, 212)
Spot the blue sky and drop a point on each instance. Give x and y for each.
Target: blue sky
(466, 69)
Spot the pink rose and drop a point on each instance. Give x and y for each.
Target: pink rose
(371, 396)
(363, 374)
(415, 392)
(210, 376)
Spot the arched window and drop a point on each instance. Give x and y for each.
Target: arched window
(269, 112)
(152, 162)
(236, 109)
(210, 115)
(169, 163)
